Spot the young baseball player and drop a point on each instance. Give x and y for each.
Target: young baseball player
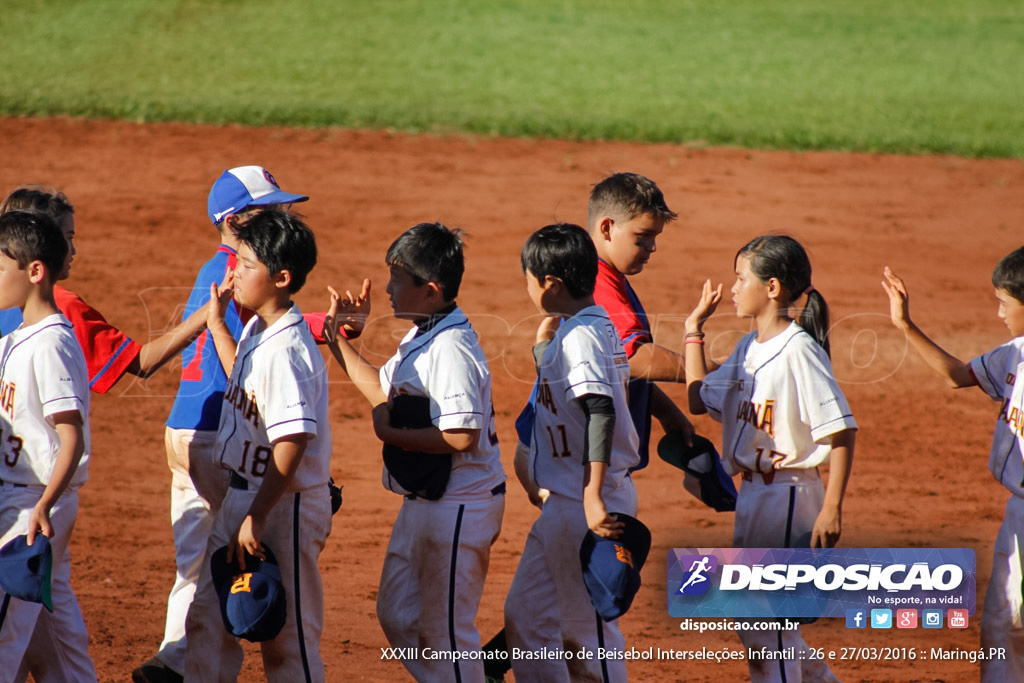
(626, 214)
(198, 483)
(998, 374)
(584, 445)
(44, 432)
(109, 354)
(275, 439)
(782, 416)
(437, 558)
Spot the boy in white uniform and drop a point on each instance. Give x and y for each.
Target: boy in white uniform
(584, 444)
(437, 558)
(44, 433)
(998, 374)
(275, 439)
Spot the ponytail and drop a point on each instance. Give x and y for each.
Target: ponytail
(782, 257)
(814, 319)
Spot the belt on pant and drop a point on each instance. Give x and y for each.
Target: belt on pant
(17, 486)
(496, 491)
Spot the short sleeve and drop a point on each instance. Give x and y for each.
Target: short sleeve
(290, 391)
(995, 370)
(587, 365)
(822, 404)
(720, 382)
(108, 351)
(456, 386)
(60, 379)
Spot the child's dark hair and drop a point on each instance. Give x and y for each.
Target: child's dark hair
(626, 196)
(27, 236)
(782, 257)
(430, 252)
(565, 251)
(281, 241)
(1009, 274)
(38, 198)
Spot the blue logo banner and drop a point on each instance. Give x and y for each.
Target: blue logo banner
(821, 582)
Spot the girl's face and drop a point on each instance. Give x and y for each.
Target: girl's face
(749, 294)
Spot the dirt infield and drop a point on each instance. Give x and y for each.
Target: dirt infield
(919, 476)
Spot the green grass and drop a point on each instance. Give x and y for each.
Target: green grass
(892, 76)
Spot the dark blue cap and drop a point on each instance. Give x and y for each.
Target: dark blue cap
(252, 602)
(25, 569)
(611, 567)
(701, 464)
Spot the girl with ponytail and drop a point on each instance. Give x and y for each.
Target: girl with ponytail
(783, 415)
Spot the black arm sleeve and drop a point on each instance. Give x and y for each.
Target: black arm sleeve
(597, 439)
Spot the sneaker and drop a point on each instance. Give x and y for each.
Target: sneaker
(155, 671)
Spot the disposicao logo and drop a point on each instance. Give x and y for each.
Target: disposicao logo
(824, 582)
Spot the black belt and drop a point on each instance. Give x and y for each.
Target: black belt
(496, 491)
(17, 486)
(238, 482)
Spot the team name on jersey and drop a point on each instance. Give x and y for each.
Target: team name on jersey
(545, 398)
(1012, 416)
(7, 397)
(759, 416)
(242, 402)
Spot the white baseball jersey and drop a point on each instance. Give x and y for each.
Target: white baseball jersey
(778, 403)
(42, 372)
(584, 357)
(277, 388)
(447, 365)
(998, 373)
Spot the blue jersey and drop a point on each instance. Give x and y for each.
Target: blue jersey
(201, 390)
(10, 318)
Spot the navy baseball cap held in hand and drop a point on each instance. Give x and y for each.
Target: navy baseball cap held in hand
(705, 477)
(25, 569)
(252, 602)
(239, 188)
(611, 567)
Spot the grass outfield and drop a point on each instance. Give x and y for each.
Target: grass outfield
(929, 76)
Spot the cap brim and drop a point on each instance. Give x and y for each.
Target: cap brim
(278, 198)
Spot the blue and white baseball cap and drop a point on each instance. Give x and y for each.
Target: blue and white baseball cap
(245, 186)
(25, 570)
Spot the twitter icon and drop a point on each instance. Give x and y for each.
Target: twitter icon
(881, 618)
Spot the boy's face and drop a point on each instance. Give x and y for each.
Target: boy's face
(536, 291)
(253, 284)
(14, 283)
(1011, 312)
(409, 300)
(627, 246)
(67, 226)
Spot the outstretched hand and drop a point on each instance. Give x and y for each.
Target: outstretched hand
(220, 299)
(347, 311)
(709, 300)
(899, 300)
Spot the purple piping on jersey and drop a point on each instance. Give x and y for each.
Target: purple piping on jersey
(294, 419)
(1006, 458)
(296, 555)
(109, 362)
(451, 591)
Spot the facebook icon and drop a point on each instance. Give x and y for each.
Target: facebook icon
(856, 618)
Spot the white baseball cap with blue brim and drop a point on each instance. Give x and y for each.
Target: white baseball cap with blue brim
(239, 188)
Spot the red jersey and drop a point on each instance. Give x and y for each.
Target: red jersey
(108, 351)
